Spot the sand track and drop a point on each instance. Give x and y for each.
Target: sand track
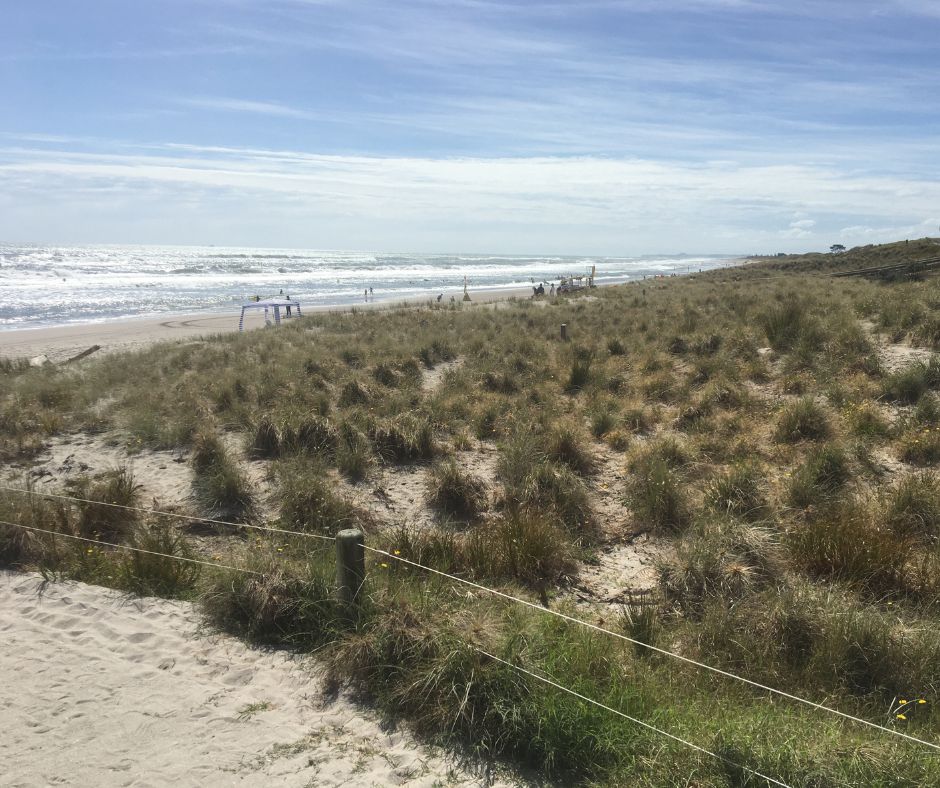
(100, 689)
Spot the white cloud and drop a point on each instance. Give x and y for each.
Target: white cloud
(574, 204)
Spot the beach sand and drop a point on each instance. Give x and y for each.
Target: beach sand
(60, 343)
(107, 690)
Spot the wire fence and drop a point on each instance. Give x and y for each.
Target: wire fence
(626, 716)
(657, 649)
(129, 548)
(157, 512)
(518, 668)
(485, 589)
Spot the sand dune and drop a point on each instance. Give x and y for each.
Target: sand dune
(104, 690)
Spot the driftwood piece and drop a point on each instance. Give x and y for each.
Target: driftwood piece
(83, 354)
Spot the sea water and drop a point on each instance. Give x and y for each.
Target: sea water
(52, 285)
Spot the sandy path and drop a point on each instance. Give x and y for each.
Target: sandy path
(99, 689)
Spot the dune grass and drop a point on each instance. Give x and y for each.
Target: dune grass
(750, 422)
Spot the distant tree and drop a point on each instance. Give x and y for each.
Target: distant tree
(836, 248)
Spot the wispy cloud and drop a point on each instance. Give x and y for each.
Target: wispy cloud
(272, 108)
(509, 123)
(711, 206)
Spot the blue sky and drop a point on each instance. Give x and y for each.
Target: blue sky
(599, 127)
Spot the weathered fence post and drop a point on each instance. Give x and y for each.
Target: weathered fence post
(564, 332)
(350, 568)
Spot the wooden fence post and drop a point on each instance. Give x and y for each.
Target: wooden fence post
(350, 568)
(564, 332)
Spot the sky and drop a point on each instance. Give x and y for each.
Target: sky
(606, 127)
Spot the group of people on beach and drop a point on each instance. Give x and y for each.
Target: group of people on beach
(540, 290)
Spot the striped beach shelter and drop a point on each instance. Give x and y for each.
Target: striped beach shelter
(270, 306)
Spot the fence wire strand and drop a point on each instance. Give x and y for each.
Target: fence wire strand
(485, 589)
(133, 549)
(619, 713)
(192, 518)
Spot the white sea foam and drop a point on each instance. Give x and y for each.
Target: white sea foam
(46, 285)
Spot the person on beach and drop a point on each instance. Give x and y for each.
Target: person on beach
(371, 293)
(440, 297)
(288, 306)
(551, 292)
(365, 294)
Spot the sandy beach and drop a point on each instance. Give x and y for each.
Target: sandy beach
(59, 343)
(115, 691)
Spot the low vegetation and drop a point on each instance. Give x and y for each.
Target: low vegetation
(759, 424)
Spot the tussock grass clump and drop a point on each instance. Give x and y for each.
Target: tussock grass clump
(657, 496)
(95, 516)
(309, 503)
(804, 419)
(285, 604)
(673, 452)
(518, 545)
(219, 483)
(404, 439)
(315, 435)
(455, 492)
(560, 490)
(354, 456)
(265, 438)
(820, 639)
(387, 376)
(20, 547)
(784, 322)
(354, 393)
(677, 345)
(662, 387)
(866, 420)
(908, 385)
(602, 422)
(579, 374)
(723, 560)
(820, 478)
(912, 508)
(500, 382)
(641, 622)
(639, 419)
(616, 347)
(439, 350)
(565, 446)
(531, 479)
(927, 412)
(148, 574)
(694, 417)
(739, 492)
(921, 447)
(847, 545)
(13, 366)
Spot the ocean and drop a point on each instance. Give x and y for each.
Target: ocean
(54, 285)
